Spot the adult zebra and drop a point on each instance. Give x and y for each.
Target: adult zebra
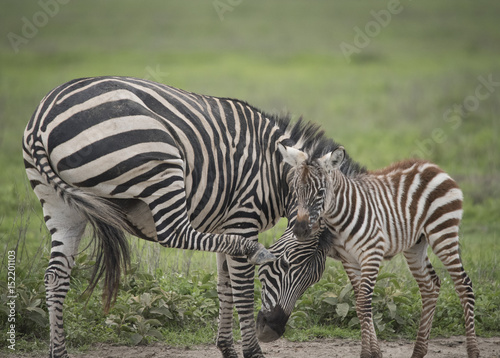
(362, 219)
(185, 170)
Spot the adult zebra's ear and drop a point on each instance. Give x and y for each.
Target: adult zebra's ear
(332, 160)
(292, 156)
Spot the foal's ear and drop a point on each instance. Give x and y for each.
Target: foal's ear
(332, 160)
(292, 156)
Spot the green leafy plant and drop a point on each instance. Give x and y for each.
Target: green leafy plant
(332, 301)
(30, 309)
(147, 303)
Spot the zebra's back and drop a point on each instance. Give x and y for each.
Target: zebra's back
(410, 198)
(110, 135)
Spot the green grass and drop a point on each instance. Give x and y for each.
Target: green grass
(410, 91)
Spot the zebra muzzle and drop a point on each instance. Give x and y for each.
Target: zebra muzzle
(302, 228)
(271, 324)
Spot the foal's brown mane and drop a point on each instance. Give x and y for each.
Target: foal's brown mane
(398, 166)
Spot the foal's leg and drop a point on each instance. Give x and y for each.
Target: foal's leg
(444, 243)
(354, 274)
(370, 267)
(428, 284)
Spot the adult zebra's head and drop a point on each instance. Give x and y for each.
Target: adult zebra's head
(310, 180)
(300, 264)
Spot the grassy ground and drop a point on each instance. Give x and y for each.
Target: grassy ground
(387, 81)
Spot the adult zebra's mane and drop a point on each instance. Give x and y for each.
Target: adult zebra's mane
(310, 138)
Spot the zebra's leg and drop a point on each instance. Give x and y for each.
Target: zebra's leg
(168, 206)
(225, 332)
(444, 243)
(370, 267)
(66, 227)
(354, 273)
(428, 284)
(242, 282)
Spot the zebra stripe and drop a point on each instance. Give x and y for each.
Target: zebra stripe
(362, 219)
(181, 169)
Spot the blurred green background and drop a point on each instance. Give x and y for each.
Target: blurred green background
(387, 79)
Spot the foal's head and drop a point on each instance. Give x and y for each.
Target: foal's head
(311, 180)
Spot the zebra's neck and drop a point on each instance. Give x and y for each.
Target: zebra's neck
(351, 201)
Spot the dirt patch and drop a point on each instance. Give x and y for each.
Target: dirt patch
(453, 347)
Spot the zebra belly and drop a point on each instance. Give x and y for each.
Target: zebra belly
(141, 223)
(348, 246)
(401, 244)
(343, 255)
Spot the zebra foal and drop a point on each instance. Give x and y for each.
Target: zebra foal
(361, 220)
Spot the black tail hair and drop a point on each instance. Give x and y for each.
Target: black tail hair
(112, 255)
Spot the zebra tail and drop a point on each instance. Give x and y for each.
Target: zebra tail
(108, 223)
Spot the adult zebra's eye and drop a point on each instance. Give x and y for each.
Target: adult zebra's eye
(285, 265)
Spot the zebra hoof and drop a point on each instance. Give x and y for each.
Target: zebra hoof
(262, 256)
